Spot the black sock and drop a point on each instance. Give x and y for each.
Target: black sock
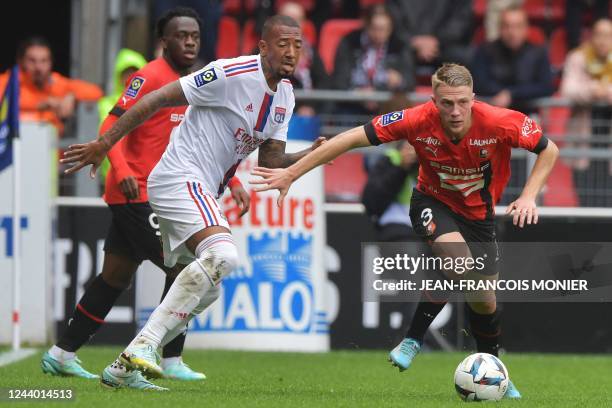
(425, 313)
(486, 330)
(175, 347)
(89, 314)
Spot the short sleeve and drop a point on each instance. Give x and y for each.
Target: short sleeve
(388, 127)
(206, 87)
(139, 84)
(522, 131)
(281, 132)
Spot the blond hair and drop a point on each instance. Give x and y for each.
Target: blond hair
(451, 75)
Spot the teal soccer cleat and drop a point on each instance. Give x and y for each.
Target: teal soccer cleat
(67, 368)
(403, 354)
(132, 379)
(512, 392)
(142, 357)
(181, 371)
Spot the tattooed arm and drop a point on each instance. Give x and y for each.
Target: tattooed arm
(272, 153)
(93, 153)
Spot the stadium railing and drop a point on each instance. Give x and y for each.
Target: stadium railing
(581, 178)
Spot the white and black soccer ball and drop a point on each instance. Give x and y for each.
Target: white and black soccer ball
(481, 377)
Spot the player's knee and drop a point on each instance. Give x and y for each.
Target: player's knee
(219, 256)
(487, 307)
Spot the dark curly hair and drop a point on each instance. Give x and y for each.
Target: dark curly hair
(163, 21)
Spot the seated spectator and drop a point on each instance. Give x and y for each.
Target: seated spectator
(587, 79)
(437, 30)
(511, 70)
(309, 72)
(47, 96)
(373, 58)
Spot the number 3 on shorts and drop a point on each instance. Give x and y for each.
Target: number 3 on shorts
(426, 216)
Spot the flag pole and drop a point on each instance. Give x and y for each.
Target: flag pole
(16, 315)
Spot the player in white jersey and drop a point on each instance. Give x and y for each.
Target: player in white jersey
(235, 107)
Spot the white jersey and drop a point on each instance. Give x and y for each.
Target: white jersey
(231, 112)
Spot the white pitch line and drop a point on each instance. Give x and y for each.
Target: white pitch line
(10, 357)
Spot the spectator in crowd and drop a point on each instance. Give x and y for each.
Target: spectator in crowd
(310, 72)
(587, 80)
(492, 14)
(46, 96)
(373, 58)
(437, 30)
(126, 64)
(574, 13)
(511, 70)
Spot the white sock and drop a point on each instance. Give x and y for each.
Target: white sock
(117, 369)
(61, 354)
(167, 362)
(175, 310)
(207, 299)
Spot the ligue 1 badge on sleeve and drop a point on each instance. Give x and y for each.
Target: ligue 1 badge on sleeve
(135, 86)
(205, 77)
(279, 114)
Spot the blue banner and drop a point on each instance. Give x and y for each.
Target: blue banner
(9, 118)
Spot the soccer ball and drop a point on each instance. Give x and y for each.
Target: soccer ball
(481, 377)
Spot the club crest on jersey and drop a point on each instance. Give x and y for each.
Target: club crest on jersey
(484, 153)
(389, 118)
(529, 127)
(205, 77)
(135, 86)
(279, 114)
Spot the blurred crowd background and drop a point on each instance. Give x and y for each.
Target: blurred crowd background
(551, 59)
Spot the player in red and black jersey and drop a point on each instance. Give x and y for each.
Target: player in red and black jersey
(463, 148)
(133, 235)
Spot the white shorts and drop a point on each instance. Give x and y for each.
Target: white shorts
(183, 208)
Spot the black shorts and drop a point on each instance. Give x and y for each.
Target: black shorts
(134, 233)
(431, 218)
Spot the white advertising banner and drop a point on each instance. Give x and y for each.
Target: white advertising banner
(38, 181)
(275, 299)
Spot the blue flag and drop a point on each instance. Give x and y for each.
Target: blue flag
(9, 118)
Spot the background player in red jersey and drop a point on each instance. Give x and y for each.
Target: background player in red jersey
(463, 147)
(133, 235)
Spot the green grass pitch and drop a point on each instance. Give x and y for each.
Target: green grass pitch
(339, 378)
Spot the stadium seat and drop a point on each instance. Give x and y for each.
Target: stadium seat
(332, 32)
(309, 31)
(228, 38)
(235, 7)
(560, 190)
(479, 7)
(345, 178)
(365, 4)
(557, 48)
(249, 38)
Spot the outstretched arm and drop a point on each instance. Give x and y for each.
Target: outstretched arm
(272, 153)
(93, 153)
(281, 179)
(524, 208)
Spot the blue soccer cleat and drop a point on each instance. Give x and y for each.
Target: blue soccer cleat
(512, 392)
(142, 357)
(402, 355)
(181, 371)
(67, 368)
(131, 379)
